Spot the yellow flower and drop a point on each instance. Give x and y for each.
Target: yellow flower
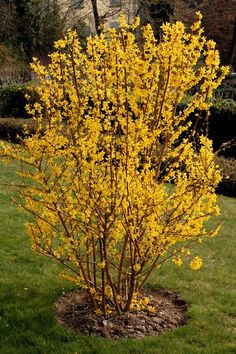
(196, 263)
(101, 265)
(151, 309)
(98, 312)
(177, 260)
(145, 301)
(137, 267)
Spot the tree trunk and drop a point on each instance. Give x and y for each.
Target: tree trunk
(96, 16)
(232, 50)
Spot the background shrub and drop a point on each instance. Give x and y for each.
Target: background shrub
(12, 66)
(227, 90)
(13, 129)
(13, 100)
(220, 127)
(228, 170)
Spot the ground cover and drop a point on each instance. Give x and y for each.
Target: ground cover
(30, 286)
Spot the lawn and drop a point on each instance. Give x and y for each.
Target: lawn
(30, 285)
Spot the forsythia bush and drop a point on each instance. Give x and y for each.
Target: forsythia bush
(116, 184)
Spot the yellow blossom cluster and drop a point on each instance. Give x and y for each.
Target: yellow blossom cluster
(196, 263)
(116, 176)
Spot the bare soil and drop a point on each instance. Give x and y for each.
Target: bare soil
(74, 310)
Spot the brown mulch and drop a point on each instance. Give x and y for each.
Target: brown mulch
(74, 310)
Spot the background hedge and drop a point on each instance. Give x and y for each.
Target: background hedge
(13, 129)
(221, 125)
(228, 171)
(13, 101)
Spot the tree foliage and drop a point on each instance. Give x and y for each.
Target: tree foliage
(32, 25)
(38, 26)
(118, 185)
(156, 12)
(7, 23)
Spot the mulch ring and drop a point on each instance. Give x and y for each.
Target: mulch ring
(74, 310)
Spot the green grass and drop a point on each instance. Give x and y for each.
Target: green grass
(29, 287)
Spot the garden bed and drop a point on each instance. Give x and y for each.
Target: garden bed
(75, 310)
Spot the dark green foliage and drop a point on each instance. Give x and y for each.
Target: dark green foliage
(12, 129)
(38, 24)
(228, 170)
(227, 89)
(13, 100)
(220, 126)
(6, 57)
(83, 32)
(12, 66)
(30, 27)
(27, 28)
(7, 23)
(156, 12)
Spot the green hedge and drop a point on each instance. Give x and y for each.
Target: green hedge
(13, 101)
(220, 126)
(228, 171)
(13, 129)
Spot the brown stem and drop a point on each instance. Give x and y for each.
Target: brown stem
(149, 272)
(131, 292)
(103, 279)
(122, 257)
(116, 304)
(94, 263)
